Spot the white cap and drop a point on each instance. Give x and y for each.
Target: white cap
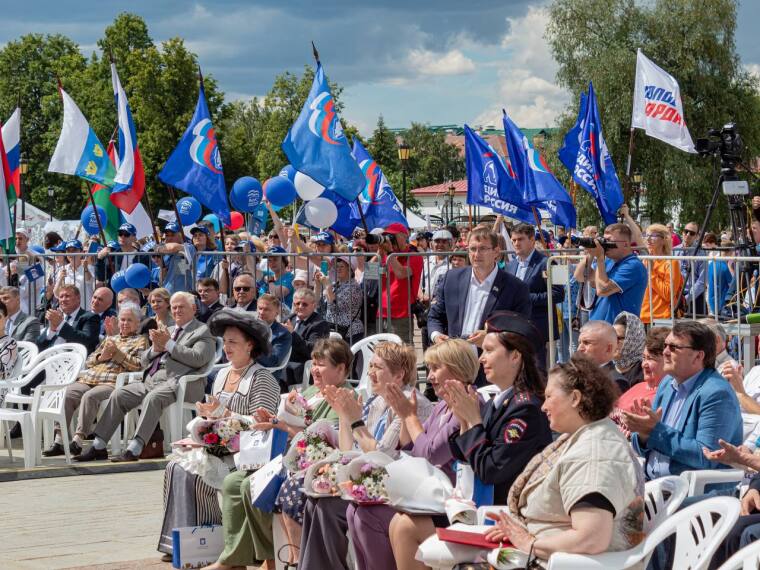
(301, 275)
(22, 230)
(442, 234)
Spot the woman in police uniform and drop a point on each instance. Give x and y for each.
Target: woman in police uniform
(499, 438)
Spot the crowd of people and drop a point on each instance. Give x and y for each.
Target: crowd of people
(640, 392)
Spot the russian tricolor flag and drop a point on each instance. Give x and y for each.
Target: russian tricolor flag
(12, 144)
(130, 176)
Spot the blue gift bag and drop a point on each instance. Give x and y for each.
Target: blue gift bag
(266, 483)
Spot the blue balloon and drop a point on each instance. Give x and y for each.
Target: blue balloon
(280, 191)
(90, 222)
(289, 172)
(137, 275)
(214, 219)
(189, 210)
(119, 281)
(246, 194)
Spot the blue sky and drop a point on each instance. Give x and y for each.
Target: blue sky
(431, 61)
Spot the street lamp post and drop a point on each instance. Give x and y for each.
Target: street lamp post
(637, 189)
(452, 191)
(50, 202)
(404, 151)
(23, 168)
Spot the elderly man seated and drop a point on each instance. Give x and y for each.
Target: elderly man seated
(116, 354)
(598, 340)
(182, 349)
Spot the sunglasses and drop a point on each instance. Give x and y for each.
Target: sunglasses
(242, 289)
(676, 347)
(125, 234)
(690, 232)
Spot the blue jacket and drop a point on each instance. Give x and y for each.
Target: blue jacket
(281, 342)
(711, 412)
(535, 279)
(447, 307)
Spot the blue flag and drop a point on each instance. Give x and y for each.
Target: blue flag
(258, 220)
(195, 166)
(316, 145)
(489, 182)
(539, 186)
(569, 151)
(593, 169)
(379, 204)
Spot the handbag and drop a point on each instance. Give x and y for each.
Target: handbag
(257, 448)
(266, 483)
(154, 447)
(196, 546)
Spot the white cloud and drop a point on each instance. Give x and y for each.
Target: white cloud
(753, 68)
(453, 62)
(526, 85)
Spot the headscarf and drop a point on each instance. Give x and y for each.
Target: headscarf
(632, 351)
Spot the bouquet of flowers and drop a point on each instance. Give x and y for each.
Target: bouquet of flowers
(311, 445)
(295, 410)
(321, 479)
(220, 436)
(363, 479)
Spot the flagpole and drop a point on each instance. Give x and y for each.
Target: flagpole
(150, 215)
(173, 199)
(97, 215)
(538, 225)
(630, 158)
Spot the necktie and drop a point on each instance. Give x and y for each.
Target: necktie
(162, 357)
(8, 326)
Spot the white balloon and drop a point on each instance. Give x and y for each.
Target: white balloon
(321, 212)
(307, 187)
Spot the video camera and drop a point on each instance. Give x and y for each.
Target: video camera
(591, 242)
(728, 145)
(374, 239)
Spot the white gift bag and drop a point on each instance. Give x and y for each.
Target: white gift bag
(266, 483)
(196, 546)
(257, 448)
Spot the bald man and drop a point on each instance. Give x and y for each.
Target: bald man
(101, 304)
(598, 340)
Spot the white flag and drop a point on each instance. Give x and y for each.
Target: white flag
(657, 106)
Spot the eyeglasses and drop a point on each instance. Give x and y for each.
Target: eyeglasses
(242, 289)
(677, 347)
(479, 249)
(274, 236)
(690, 232)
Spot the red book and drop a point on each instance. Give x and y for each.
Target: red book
(469, 535)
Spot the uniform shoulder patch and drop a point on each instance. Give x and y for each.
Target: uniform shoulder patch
(514, 430)
(523, 398)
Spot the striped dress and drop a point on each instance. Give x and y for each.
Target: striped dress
(188, 499)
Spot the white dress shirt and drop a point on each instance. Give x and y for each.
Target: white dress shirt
(477, 295)
(522, 265)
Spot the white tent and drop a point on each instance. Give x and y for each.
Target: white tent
(414, 221)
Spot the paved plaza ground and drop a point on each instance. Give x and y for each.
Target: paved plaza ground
(93, 521)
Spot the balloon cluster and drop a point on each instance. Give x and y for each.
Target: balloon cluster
(136, 276)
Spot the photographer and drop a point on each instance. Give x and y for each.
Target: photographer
(618, 275)
(405, 273)
(342, 300)
(370, 287)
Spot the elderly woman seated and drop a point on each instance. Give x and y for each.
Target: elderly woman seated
(583, 494)
(115, 354)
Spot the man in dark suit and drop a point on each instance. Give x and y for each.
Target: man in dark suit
(208, 293)
(100, 304)
(244, 292)
(306, 328)
(466, 296)
(19, 325)
(282, 339)
(68, 323)
(529, 266)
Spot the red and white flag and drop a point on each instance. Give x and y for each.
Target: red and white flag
(657, 106)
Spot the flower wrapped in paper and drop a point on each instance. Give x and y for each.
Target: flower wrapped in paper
(321, 479)
(414, 485)
(219, 436)
(363, 479)
(295, 410)
(313, 444)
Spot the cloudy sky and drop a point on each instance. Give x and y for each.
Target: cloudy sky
(432, 61)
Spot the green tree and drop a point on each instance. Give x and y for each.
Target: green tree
(384, 148)
(694, 41)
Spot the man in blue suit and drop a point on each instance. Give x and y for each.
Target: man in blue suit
(529, 266)
(693, 408)
(268, 307)
(465, 297)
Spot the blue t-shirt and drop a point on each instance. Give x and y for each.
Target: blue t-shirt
(718, 281)
(631, 276)
(179, 274)
(286, 280)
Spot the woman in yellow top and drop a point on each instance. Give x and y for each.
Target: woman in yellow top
(665, 279)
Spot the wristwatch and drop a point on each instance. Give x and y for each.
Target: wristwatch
(357, 424)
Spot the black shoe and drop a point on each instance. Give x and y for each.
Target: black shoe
(16, 431)
(92, 454)
(75, 449)
(166, 558)
(126, 456)
(54, 450)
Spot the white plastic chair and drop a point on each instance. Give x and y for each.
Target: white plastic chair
(748, 558)
(27, 352)
(47, 403)
(700, 478)
(306, 374)
(699, 530)
(367, 348)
